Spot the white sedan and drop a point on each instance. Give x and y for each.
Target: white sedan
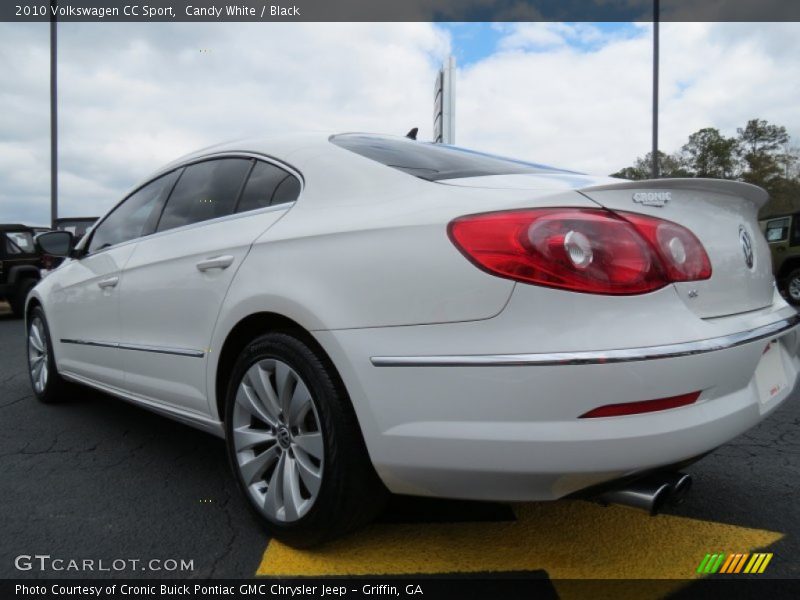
(361, 313)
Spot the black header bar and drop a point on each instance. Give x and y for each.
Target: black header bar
(398, 10)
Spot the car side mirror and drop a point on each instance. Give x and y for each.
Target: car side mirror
(55, 243)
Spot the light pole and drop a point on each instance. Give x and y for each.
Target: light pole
(654, 170)
(53, 116)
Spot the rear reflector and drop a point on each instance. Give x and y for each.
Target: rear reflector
(645, 406)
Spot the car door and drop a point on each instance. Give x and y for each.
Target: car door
(177, 279)
(84, 307)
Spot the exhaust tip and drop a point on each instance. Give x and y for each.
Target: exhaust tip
(650, 493)
(680, 483)
(660, 497)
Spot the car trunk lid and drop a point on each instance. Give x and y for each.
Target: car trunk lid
(724, 217)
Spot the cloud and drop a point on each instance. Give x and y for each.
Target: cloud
(134, 96)
(579, 96)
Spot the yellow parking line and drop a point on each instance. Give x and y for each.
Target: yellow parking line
(568, 539)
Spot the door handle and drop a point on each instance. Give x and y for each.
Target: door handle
(108, 283)
(217, 262)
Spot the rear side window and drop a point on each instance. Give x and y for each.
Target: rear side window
(206, 190)
(135, 216)
(434, 161)
(777, 230)
(266, 186)
(19, 242)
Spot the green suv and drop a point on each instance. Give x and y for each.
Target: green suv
(20, 265)
(783, 235)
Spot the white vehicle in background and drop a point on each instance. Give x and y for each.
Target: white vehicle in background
(358, 313)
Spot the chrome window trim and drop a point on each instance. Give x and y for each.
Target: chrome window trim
(190, 161)
(594, 357)
(138, 347)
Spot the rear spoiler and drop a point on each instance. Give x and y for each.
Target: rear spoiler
(748, 191)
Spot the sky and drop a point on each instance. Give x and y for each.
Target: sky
(133, 96)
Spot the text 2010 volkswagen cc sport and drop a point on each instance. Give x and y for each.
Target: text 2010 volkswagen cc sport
(362, 313)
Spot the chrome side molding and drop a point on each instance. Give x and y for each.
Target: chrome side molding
(139, 347)
(593, 357)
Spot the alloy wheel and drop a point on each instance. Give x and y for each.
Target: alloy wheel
(37, 355)
(794, 289)
(278, 440)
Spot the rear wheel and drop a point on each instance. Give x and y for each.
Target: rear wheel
(295, 445)
(793, 287)
(17, 301)
(45, 380)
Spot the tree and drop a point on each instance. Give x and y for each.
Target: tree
(761, 144)
(710, 154)
(761, 154)
(670, 165)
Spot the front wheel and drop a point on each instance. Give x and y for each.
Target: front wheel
(45, 380)
(793, 287)
(294, 443)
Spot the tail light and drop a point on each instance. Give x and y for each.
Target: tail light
(584, 250)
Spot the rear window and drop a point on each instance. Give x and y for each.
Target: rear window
(435, 161)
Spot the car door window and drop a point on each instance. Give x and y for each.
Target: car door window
(19, 242)
(206, 190)
(134, 217)
(268, 185)
(777, 230)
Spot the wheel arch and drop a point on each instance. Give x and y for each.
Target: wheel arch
(789, 265)
(247, 329)
(19, 272)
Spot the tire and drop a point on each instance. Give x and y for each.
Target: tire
(289, 421)
(792, 286)
(47, 384)
(17, 302)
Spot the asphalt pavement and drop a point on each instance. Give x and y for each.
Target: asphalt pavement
(97, 478)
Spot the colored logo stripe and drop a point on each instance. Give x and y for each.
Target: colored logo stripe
(735, 563)
(711, 563)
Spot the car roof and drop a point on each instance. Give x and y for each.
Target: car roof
(14, 227)
(780, 216)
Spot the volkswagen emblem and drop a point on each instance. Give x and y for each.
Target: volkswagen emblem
(747, 246)
(284, 438)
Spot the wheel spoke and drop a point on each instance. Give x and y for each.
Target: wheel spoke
(311, 476)
(254, 468)
(35, 339)
(247, 437)
(274, 497)
(36, 368)
(299, 404)
(43, 375)
(311, 443)
(284, 380)
(291, 490)
(259, 381)
(247, 398)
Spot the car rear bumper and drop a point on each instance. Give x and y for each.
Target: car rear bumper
(509, 427)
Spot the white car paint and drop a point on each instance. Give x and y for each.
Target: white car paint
(363, 262)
